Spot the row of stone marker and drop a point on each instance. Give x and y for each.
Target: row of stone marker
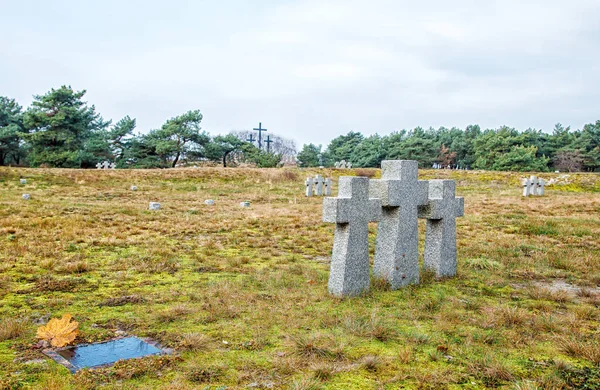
(533, 186)
(106, 165)
(343, 164)
(321, 186)
(396, 201)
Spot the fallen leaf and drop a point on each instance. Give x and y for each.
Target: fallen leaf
(59, 332)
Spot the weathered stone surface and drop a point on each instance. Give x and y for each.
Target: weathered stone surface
(351, 211)
(245, 204)
(309, 186)
(440, 240)
(23, 181)
(154, 206)
(397, 254)
(26, 196)
(133, 188)
(209, 202)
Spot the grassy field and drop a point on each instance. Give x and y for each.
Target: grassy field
(241, 294)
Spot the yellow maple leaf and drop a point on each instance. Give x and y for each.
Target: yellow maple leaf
(59, 332)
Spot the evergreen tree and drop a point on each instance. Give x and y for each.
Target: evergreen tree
(11, 125)
(60, 123)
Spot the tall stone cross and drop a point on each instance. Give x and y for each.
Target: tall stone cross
(260, 130)
(309, 186)
(351, 211)
(319, 185)
(397, 250)
(440, 237)
(268, 141)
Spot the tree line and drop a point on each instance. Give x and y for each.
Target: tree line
(61, 130)
(503, 149)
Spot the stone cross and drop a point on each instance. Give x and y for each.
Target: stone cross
(348, 165)
(309, 186)
(112, 165)
(440, 237)
(319, 185)
(397, 250)
(342, 164)
(328, 187)
(351, 211)
(533, 182)
(525, 183)
(541, 185)
(99, 166)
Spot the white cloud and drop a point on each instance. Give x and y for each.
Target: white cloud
(314, 69)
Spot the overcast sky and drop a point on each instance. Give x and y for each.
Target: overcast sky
(311, 70)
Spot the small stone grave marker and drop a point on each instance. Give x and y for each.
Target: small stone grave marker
(245, 204)
(209, 202)
(309, 186)
(133, 188)
(23, 181)
(26, 196)
(154, 206)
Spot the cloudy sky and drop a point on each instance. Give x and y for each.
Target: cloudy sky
(311, 70)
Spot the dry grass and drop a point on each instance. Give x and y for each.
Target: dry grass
(242, 293)
(12, 328)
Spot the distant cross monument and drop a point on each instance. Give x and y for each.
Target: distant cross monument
(260, 130)
(268, 142)
(251, 139)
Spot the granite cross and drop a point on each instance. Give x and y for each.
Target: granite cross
(328, 187)
(99, 166)
(397, 249)
(319, 185)
(351, 211)
(309, 186)
(525, 183)
(541, 185)
(533, 182)
(260, 130)
(440, 236)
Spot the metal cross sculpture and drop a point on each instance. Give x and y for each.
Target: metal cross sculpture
(268, 141)
(251, 139)
(260, 130)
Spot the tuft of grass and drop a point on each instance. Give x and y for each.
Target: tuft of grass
(12, 328)
(585, 349)
(195, 342)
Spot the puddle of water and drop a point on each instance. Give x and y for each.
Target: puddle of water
(102, 354)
